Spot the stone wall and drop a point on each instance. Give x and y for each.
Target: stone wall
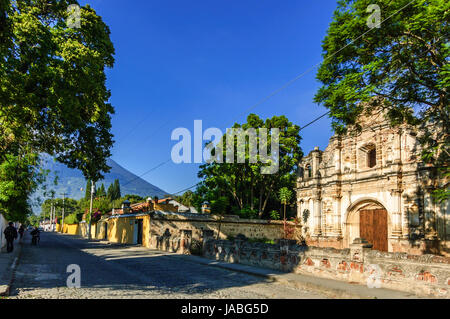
(426, 274)
(168, 228)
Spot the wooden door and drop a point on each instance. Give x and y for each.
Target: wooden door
(373, 228)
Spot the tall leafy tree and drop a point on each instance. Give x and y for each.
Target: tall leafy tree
(117, 191)
(53, 97)
(404, 62)
(19, 177)
(246, 188)
(101, 191)
(87, 194)
(110, 192)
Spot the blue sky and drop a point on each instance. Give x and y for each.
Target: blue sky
(209, 60)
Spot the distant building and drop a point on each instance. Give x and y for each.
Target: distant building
(372, 184)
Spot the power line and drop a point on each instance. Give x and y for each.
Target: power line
(305, 126)
(150, 170)
(289, 83)
(315, 120)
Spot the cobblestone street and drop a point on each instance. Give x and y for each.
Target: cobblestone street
(116, 271)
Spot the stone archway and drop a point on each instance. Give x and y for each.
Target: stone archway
(367, 219)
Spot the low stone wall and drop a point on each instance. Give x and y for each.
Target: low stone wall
(416, 247)
(168, 229)
(426, 274)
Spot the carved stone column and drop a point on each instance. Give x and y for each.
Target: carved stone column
(405, 222)
(397, 214)
(337, 229)
(300, 209)
(317, 215)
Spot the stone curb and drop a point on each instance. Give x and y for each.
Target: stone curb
(5, 289)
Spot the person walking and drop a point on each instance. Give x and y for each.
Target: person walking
(21, 231)
(10, 234)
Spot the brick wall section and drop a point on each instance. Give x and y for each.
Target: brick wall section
(426, 274)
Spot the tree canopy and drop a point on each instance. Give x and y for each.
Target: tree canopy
(249, 192)
(53, 95)
(404, 61)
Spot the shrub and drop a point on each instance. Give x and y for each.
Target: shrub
(71, 219)
(275, 215)
(247, 213)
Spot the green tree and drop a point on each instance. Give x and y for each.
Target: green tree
(187, 199)
(19, 177)
(243, 183)
(404, 62)
(53, 97)
(117, 191)
(101, 191)
(133, 198)
(87, 194)
(71, 206)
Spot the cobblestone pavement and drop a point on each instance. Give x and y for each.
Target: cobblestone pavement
(117, 271)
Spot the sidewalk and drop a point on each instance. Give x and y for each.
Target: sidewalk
(8, 264)
(329, 287)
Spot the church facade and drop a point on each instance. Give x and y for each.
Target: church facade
(370, 183)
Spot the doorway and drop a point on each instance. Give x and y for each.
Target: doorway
(137, 232)
(373, 227)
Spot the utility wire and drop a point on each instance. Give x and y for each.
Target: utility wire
(150, 170)
(286, 85)
(305, 126)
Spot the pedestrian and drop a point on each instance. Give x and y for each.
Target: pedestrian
(10, 234)
(21, 231)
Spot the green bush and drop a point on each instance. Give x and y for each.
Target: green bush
(247, 213)
(71, 219)
(275, 215)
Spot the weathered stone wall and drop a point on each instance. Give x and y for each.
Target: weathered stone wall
(169, 227)
(426, 274)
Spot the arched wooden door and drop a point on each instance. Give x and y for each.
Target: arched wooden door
(373, 228)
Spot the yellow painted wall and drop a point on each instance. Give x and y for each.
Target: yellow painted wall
(146, 231)
(58, 227)
(100, 230)
(121, 230)
(71, 229)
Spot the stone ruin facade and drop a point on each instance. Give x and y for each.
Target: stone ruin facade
(371, 183)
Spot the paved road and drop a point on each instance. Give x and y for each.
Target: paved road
(118, 271)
